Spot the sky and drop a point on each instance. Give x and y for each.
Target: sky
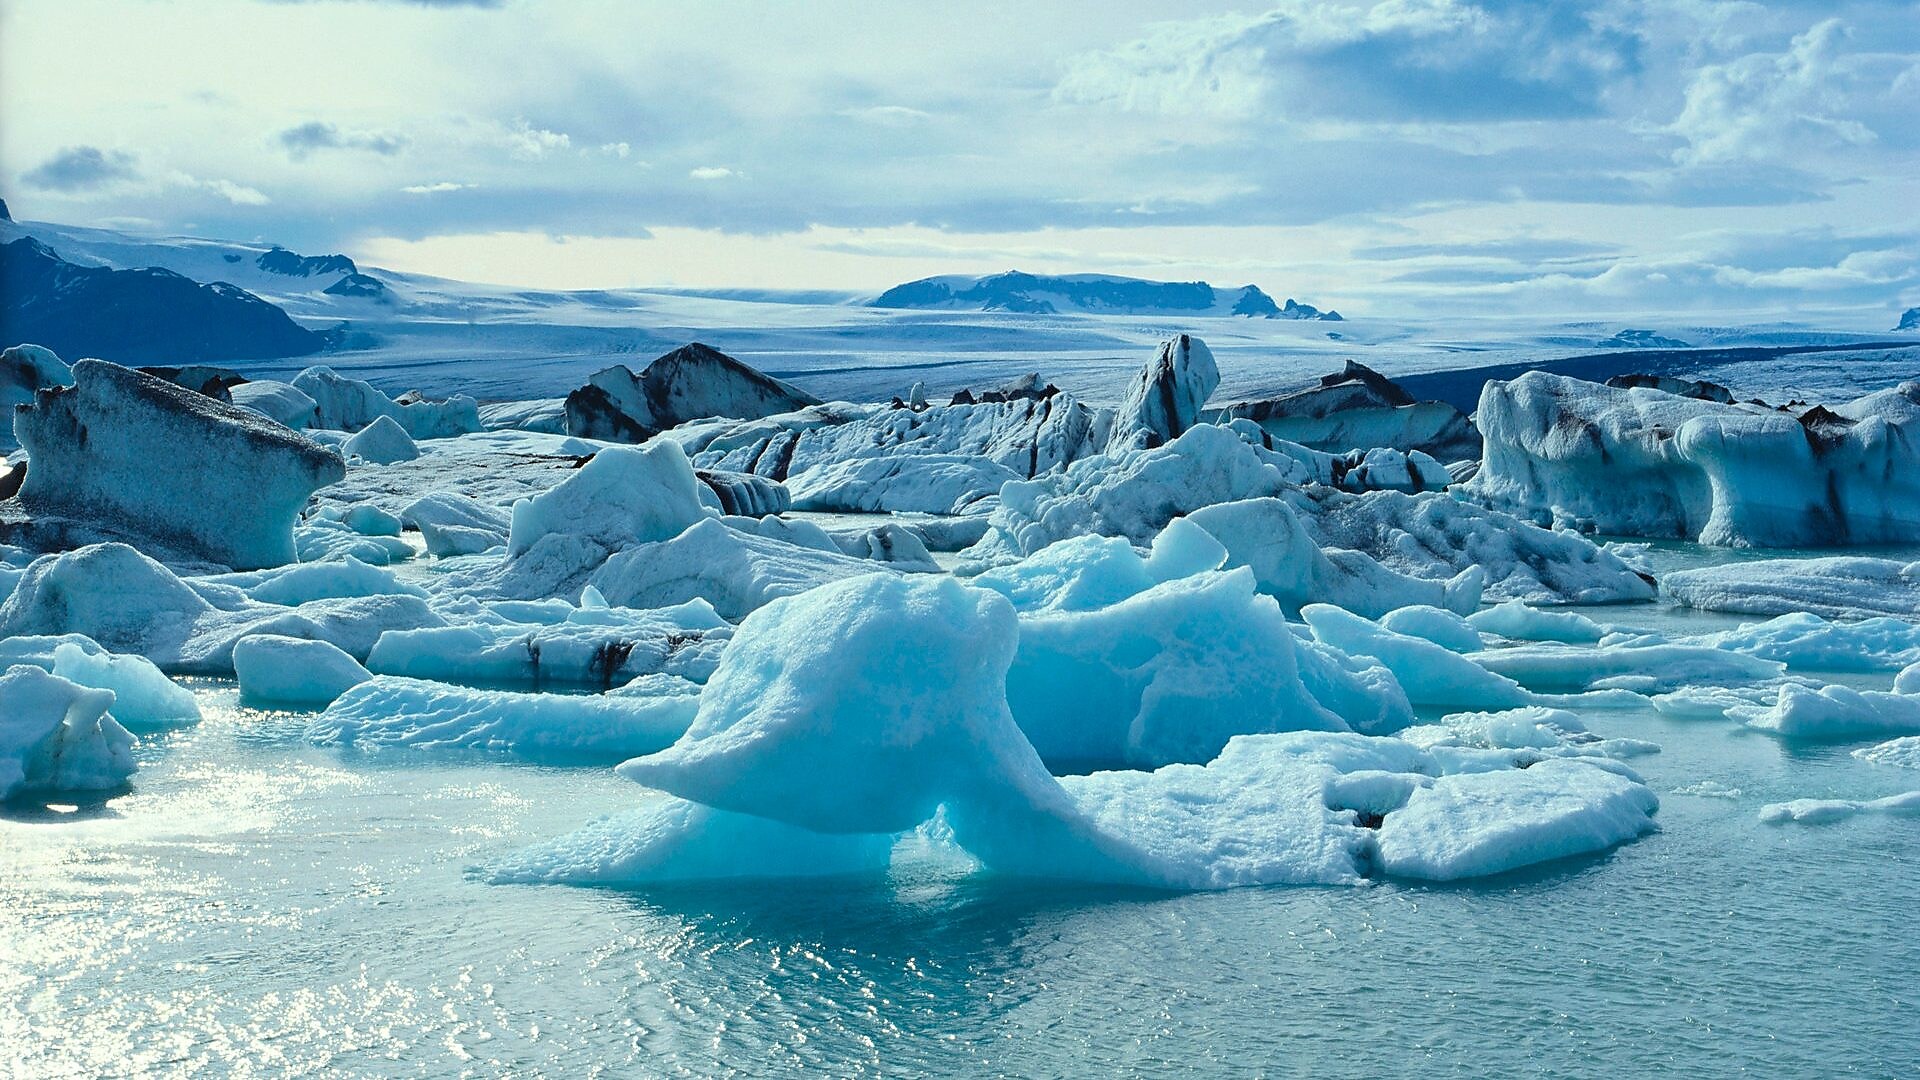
(1400, 157)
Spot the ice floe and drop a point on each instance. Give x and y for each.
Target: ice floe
(56, 737)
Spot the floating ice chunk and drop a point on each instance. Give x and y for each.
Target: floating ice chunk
(904, 677)
(1908, 681)
(1357, 689)
(142, 695)
(369, 520)
(734, 571)
(675, 840)
(293, 671)
(1129, 493)
(1514, 619)
(1644, 669)
(130, 604)
(1268, 535)
(1809, 642)
(624, 496)
(1556, 731)
(27, 368)
(1844, 587)
(456, 524)
(1712, 702)
(1165, 399)
(1089, 572)
(1826, 811)
(1473, 824)
(321, 539)
(56, 736)
(277, 401)
(1640, 462)
(895, 545)
(291, 586)
(124, 455)
(1442, 627)
(343, 404)
(929, 483)
(1435, 535)
(1833, 713)
(389, 711)
(1903, 752)
(602, 647)
(1168, 675)
(1430, 674)
(382, 442)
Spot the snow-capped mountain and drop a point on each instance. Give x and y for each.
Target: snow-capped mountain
(1909, 319)
(1090, 294)
(142, 316)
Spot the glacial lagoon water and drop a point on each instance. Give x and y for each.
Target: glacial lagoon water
(258, 906)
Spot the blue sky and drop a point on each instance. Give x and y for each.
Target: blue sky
(1394, 157)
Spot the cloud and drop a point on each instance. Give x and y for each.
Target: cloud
(81, 168)
(236, 193)
(304, 139)
(1767, 105)
(616, 149)
(712, 172)
(434, 189)
(893, 116)
(1395, 60)
(528, 143)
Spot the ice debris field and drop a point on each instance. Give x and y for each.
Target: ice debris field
(1174, 645)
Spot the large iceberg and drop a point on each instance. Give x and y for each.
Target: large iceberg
(692, 382)
(868, 707)
(1641, 462)
(1838, 587)
(344, 404)
(123, 455)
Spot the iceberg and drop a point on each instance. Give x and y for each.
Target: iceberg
(1826, 811)
(382, 442)
(277, 670)
(233, 503)
(343, 404)
(1840, 587)
(601, 647)
(1642, 462)
(56, 736)
(390, 711)
(1165, 399)
(1832, 713)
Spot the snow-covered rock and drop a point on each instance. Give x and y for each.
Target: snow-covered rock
(1165, 399)
(1640, 462)
(343, 404)
(122, 455)
(56, 736)
(381, 442)
(693, 382)
(1838, 587)
(276, 670)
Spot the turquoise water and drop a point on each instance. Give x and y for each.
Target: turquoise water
(259, 906)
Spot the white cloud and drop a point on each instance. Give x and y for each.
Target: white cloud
(434, 189)
(1769, 105)
(616, 149)
(528, 143)
(894, 116)
(712, 172)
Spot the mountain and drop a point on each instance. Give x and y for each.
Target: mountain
(1909, 319)
(1088, 294)
(278, 260)
(146, 316)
